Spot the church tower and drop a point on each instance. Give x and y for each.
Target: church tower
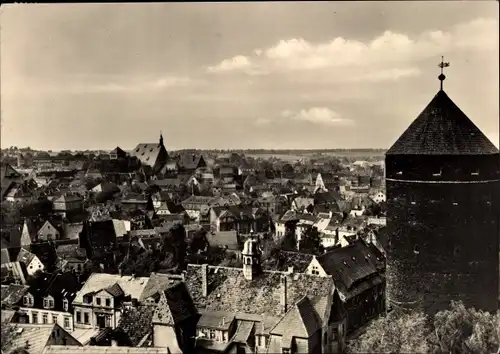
(443, 198)
(251, 259)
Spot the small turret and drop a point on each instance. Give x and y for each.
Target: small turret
(251, 259)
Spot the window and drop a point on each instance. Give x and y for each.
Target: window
(66, 322)
(212, 334)
(108, 302)
(65, 304)
(54, 319)
(315, 270)
(86, 318)
(34, 316)
(416, 249)
(45, 318)
(48, 303)
(98, 301)
(28, 300)
(78, 317)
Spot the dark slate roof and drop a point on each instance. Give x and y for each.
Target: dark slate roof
(299, 261)
(223, 239)
(442, 129)
(349, 265)
(301, 321)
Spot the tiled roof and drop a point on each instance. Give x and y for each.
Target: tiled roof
(12, 293)
(175, 306)
(136, 323)
(147, 153)
(158, 283)
(442, 129)
(230, 291)
(25, 256)
(98, 281)
(61, 349)
(36, 336)
(115, 290)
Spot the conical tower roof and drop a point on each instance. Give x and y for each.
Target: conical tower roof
(442, 129)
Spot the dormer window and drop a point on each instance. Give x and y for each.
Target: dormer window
(416, 249)
(399, 173)
(48, 302)
(28, 300)
(437, 174)
(65, 304)
(475, 173)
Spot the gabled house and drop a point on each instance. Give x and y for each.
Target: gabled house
(175, 319)
(32, 263)
(190, 162)
(67, 203)
(49, 300)
(117, 153)
(71, 258)
(99, 302)
(359, 274)
(243, 219)
(39, 229)
(35, 338)
(12, 294)
(303, 204)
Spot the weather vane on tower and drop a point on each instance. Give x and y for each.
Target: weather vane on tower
(441, 77)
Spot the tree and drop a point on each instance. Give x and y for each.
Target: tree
(457, 330)
(465, 330)
(404, 333)
(198, 242)
(311, 242)
(289, 241)
(175, 242)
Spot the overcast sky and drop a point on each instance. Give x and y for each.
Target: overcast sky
(240, 75)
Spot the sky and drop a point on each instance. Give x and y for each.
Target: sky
(272, 75)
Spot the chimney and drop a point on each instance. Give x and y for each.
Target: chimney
(283, 301)
(204, 279)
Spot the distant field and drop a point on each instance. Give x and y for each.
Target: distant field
(293, 157)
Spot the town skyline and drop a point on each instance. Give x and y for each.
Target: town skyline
(226, 76)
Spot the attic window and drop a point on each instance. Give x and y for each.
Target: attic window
(475, 173)
(455, 203)
(399, 173)
(416, 249)
(151, 150)
(438, 174)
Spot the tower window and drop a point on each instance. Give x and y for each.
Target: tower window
(416, 249)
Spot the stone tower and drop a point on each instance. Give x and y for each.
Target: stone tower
(251, 259)
(443, 198)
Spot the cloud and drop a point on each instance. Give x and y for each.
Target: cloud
(238, 62)
(262, 121)
(389, 56)
(317, 115)
(102, 84)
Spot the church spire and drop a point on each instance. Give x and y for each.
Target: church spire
(161, 139)
(442, 77)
